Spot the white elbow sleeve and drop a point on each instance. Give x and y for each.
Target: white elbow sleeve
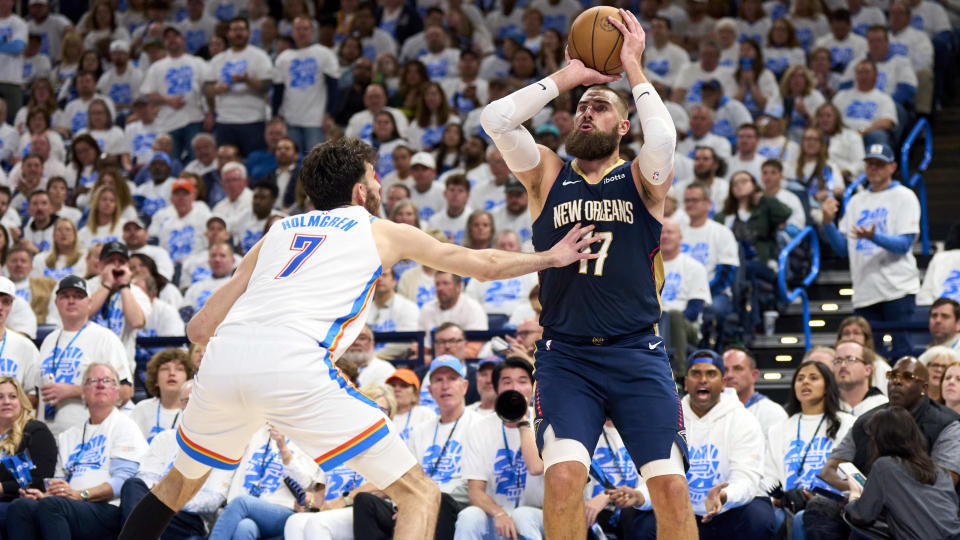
(659, 135)
(502, 120)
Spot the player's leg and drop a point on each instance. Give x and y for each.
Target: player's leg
(640, 379)
(570, 415)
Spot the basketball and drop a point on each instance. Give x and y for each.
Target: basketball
(596, 42)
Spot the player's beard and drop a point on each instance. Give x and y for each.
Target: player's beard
(372, 202)
(592, 145)
(360, 358)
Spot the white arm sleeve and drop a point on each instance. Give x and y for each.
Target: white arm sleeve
(502, 120)
(659, 135)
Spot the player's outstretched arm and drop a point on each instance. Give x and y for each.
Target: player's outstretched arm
(655, 159)
(202, 326)
(397, 241)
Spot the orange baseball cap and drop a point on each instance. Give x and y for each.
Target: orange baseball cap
(184, 183)
(405, 375)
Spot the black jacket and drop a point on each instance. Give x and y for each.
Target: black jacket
(931, 417)
(38, 443)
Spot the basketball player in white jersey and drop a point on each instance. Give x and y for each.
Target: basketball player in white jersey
(275, 329)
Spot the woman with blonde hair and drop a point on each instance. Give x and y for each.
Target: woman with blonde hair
(104, 224)
(816, 174)
(844, 145)
(937, 359)
(800, 99)
(64, 256)
(22, 440)
(480, 230)
(72, 50)
(405, 211)
(950, 387)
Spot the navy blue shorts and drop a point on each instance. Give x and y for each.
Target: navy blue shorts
(579, 386)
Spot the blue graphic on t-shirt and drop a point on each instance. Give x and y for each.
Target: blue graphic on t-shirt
(916, 21)
(671, 286)
(143, 142)
(229, 69)
(9, 367)
(179, 80)
(114, 320)
(704, 471)
(195, 40)
(27, 70)
(68, 369)
(303, 72)
(426, 213)
(250, 238)
(899, 49)
(439, 69)
(868, 217)
(201, 273)
(699, 251)
(6, 34)
(951, 286)
(817, 456)
(693, 95)
(202, 299)
(341, 480)
(503, 291)
(264, 471)
(121, 94)
(25, 294)
(805, 37)
(509, 474)
(389, 27)
(865, 110)
(78, 121)
(366, 133)
(557, 22)
(151, 205)
(425, 294)
(432, 136)
(89, 456)
(448, 465)
(723, 128)
(660, 67)
(619, 470)
(777, 65)
(57, 273)
(224, 12)
(841, 56)
(180, 243)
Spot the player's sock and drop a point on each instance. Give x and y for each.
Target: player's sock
(148, 520)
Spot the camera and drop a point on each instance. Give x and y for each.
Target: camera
(511, 406)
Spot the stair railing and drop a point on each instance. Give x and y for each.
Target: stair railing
(801, 291)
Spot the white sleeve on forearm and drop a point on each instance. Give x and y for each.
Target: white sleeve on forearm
(502, 120)
(659, 135)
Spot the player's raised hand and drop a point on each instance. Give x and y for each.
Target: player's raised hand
(575, 246)
(634, 38)
(586, 76)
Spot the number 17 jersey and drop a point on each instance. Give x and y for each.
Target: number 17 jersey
(315, 274)
(617, 293)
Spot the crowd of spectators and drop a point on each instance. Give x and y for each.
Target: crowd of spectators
(146, 146)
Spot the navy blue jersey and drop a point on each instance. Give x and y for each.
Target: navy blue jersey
(617, 293)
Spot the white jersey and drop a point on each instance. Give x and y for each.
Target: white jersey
(315, 274)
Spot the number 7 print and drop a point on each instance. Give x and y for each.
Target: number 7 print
(305, 244)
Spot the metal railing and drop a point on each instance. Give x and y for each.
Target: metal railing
(913, 181)
(800, 291)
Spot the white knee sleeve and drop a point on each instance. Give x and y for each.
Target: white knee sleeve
(659, 135)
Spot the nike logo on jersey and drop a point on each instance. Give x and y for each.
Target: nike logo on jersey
(643, 94)
(542, 86)
(568, 182)
(654, 345)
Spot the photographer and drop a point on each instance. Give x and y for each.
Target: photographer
(501, 463)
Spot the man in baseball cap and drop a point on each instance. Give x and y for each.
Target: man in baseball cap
(114, 304)
(135, 236)
(426, 194)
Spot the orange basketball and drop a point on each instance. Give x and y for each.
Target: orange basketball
(596, 42)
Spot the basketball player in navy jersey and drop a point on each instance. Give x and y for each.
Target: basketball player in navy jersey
(600, 356)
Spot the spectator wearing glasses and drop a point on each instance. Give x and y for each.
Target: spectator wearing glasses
(853, 368)
(28, 449)
(937, 358)
(858, 329)
(907, 384)
(94, 460)
(944, 323)
(66, 354)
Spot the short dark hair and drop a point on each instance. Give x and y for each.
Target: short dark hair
(296, 147)
(947, 301)
(269, 186)
(840, 15)
(37, 192)
(747, 352)
(447, 325)
(331, 169)
(457, 280)
(239, 19)
(664, 20)
(6, 189)
(510, 362)
(458, 180)
(775, 163)
(751, 126)
(33, 155)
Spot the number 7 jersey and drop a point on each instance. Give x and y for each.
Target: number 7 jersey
(315, 274)
(617, 293)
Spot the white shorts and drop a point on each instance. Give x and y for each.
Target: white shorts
(250, 376)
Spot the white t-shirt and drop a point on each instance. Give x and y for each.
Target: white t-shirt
(247, 229)
(197, 33)
(865, 18)
(101, 235)
(801, 438)
(487, 196)
(429, 202)
(778, 59)
(879, 275)
(154, 196)
(692, 77)
(182, 236)
(860, 109)
(12, 28)
(152, 418)
(502, 296)
(398, 315)
(710, 244)
(441, 65)
(231, 210)
(753, 166)
(9, 141)
(666, 63)
(159, 256)
(159, 459)
(453, 227)
(406, 422)
(51, 31)
(140, 137)
(164, 319)
(122, 89)
(84, 451)
(766, 411)
(181, 76)
(261, 471)
(74, 116)
(942, 278)
(60, 269)
(375, 372)
(684, 279)
(843, 52)
(20, 359)
(64, 358)
(444, 466)
(115, 320)
(915, 45)
(613, 460)
(111, 141)
(720, 145)
(467, 312)
(302, 73)
(198, 293)
(519, 223)
(797, 217)
(240, 105)
(360, 125)
(492, 454)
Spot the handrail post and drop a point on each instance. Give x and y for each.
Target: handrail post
(801, 291)
(915, 181)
